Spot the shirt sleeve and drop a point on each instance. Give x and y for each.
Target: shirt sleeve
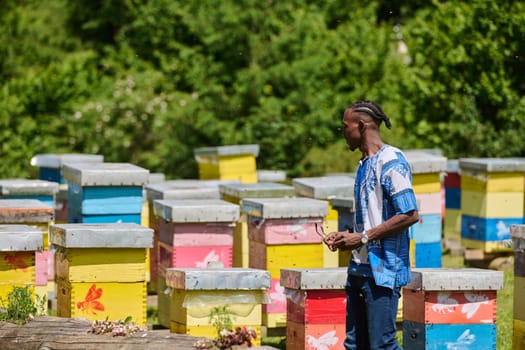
(397, 185)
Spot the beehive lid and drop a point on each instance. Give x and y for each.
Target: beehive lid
(517, 233)
(25, 211)
(452, 166)
(105, 174)
(325, 187)
(196, 210)
(277, 208)
(155, 178)
(346, 203)
(116, 235)
(16, 187)
(424, 162)
(20, 238)
(320, 278)
(257, 190)
(227, 150)
(455, 279)
(271, 175)
(50, 160)
(186, 189)
(502, 165)
(233, 278)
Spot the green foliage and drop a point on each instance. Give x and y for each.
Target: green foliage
(147, 82)
(221, 318)
(466, 74)
(21, 306)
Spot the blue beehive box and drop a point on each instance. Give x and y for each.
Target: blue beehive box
(50, 164)
(44, 191)
(105, 192)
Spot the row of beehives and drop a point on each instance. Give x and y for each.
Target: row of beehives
(101, 273)
(91, 180)
(492, 197)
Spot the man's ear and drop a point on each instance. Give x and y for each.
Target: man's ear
(361, 125)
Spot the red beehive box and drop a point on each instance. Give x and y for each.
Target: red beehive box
(316, 307)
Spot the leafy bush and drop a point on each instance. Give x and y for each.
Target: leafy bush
(19, 307)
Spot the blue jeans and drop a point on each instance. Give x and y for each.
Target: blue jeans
(371, 312)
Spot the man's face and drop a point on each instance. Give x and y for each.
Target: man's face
(351, 130)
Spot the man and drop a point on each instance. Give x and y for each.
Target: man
(385, 207)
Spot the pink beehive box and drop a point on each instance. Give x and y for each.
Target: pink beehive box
(193, 233)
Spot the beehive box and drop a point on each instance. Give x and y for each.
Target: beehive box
(37, 214)
(234, 162)
(316, 307)
(175, 189)
(427, 169)
(517, 233)
(234, 193)
(104, 192)
(264, 175)
(198, 227)
(452, 219)
(50, 164)
(41, 190)
(101, 270)
(45, 192)
(327, 188)
(290, 224)
(153, 178)
(18, 244)
(345, 207)
(492, 199)
(192, 233)
(196, 294)
(451, 307)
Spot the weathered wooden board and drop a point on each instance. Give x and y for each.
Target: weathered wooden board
(59, 333)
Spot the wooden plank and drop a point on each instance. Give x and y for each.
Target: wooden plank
(57, 333)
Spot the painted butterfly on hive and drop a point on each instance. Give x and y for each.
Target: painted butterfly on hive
(324, 342)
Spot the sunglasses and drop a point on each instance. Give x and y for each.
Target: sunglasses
(321, 231)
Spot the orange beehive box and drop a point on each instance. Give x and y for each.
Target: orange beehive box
(314, 336)
(101, 270)
(449, 307)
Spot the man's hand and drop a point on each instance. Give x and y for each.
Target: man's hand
(342, 241)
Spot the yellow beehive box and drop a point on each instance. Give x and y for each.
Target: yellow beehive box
(234, 162)
(275, 257)
(426, 167)
(101, 264)
(234, 193)
(101, 270)
(492, 204)
(98, 301)
(199, 296)
(452, 224)
(518, 339)
(426, 183)
(18, 244)
(327, 188)
(482, 181)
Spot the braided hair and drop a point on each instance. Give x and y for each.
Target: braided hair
(373, 110)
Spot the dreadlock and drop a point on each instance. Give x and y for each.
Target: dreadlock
(373, 110)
